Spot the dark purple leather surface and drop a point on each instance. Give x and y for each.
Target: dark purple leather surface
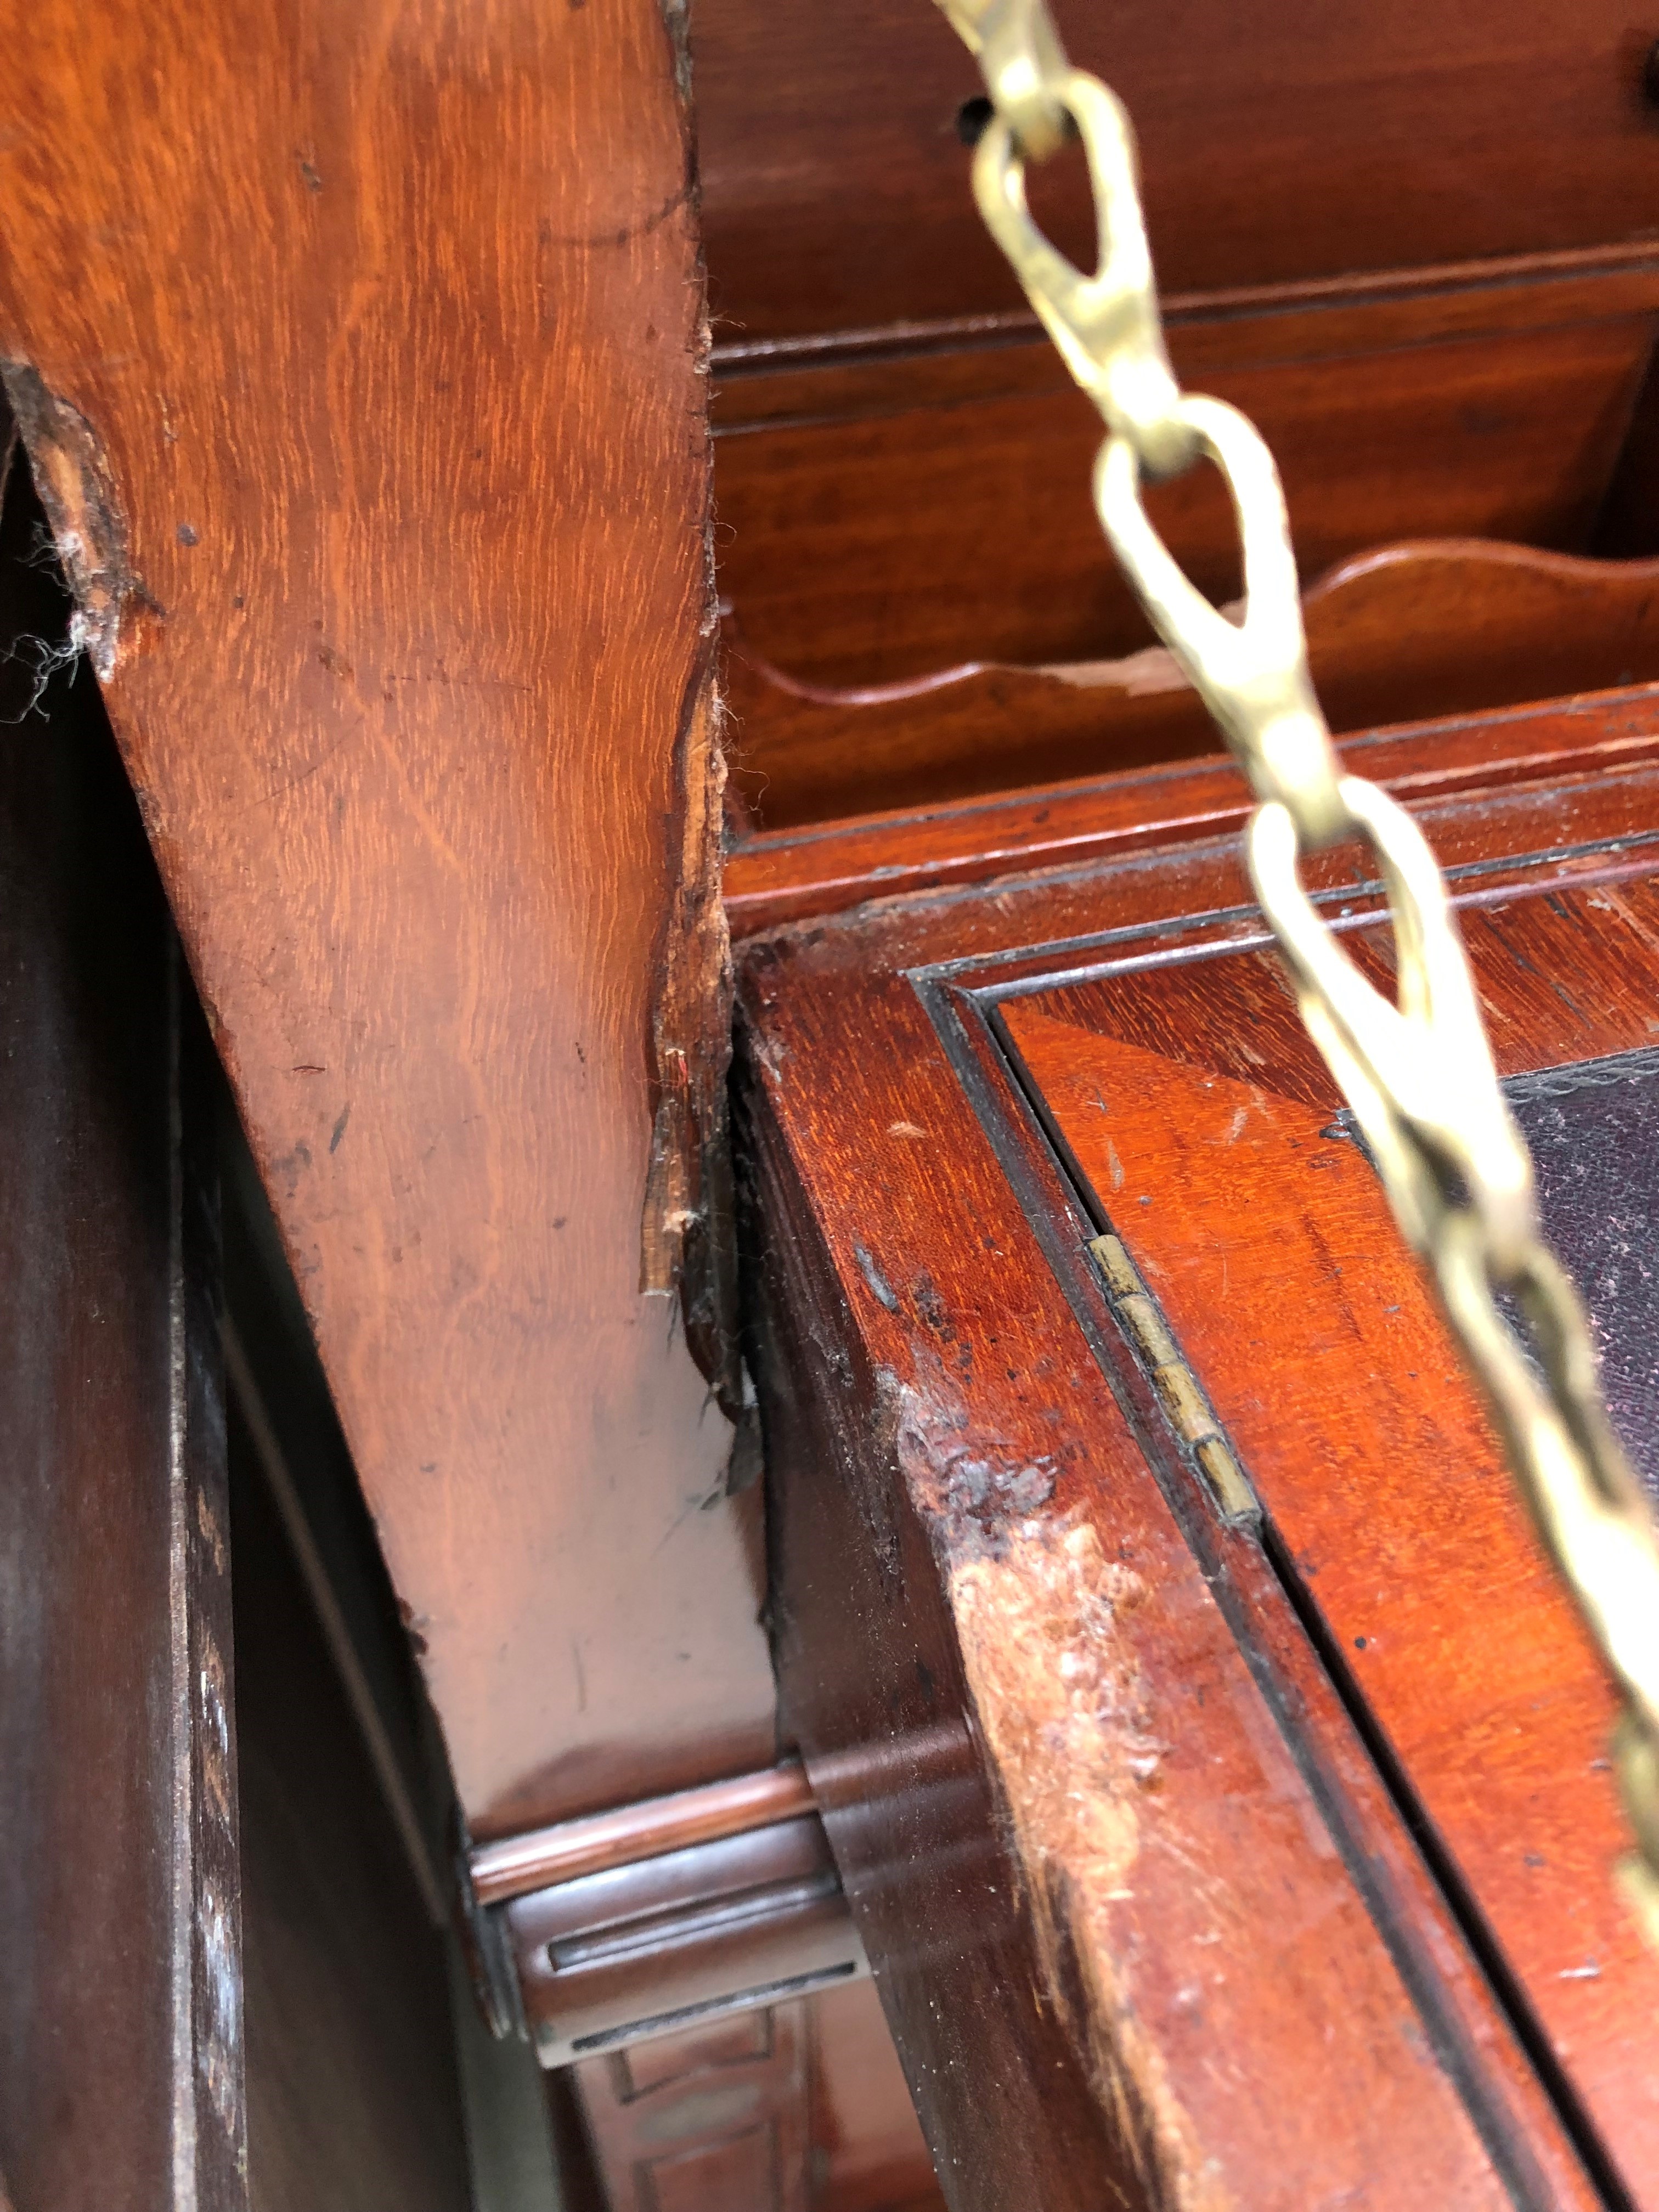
(1594, 1129)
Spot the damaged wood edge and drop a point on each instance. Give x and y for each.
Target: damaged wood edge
(1060, 1723)
(1060, 1704)
(677, 21)
(1179, 1390)
(823, 1382)
(76, 488)
(688, 1240)
(688, 1233)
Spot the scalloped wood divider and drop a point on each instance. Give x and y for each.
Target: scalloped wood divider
(1400, 634)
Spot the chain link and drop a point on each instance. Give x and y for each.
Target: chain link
(1417, 1070)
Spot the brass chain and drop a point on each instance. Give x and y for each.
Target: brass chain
(1416, 1071)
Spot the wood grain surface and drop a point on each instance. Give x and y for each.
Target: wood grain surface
(1302, 142)
(121, 2042)
(359, 353)
(1101, 1805)
(1194, 1104)
(868, 2152)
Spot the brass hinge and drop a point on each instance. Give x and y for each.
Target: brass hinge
(1190, 1413)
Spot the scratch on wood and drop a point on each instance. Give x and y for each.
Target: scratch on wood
(76, 490)
(1045, 1626)
(614, 234)
(877, 1284)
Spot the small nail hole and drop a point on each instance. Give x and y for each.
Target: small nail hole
(974, 114)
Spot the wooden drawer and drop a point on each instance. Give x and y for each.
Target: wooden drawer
(1294, 142)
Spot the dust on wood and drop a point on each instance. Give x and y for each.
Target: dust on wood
(77, 490)
(688, 1238)
(1045, 1623)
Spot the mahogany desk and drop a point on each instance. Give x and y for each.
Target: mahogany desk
(1185, 1705)
(1217, 1776)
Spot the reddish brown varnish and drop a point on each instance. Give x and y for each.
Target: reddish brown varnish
(1106, 1820)
(775, 875)
(360, 364)
(1193, 1103)
(884, 519)
(120, 1865)
(1304, 144)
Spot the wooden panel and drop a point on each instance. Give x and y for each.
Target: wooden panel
(1194, 1105)
(880, 524)
(1011, 1623)
(121, 2074)
(779, 876)
(715, 2120)
(867, 2152)
(369, 422)
(1059, 2001)
(1167, 1894)
(353, 2094)
(720, 2120)
(1295, 142)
